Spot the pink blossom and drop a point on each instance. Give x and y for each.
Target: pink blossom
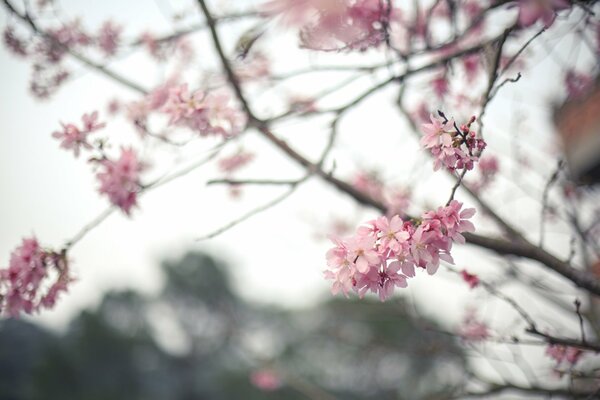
(361, 252)
(384, 253)
(393, 234)
(109, 37)
(530, 11)
(489, 166)
(208, 114)
(74, 138)
(15, 43)
(330, 25)
(440, 86)
(451, 146)
(437, 133)
(265, 379)
(577, 83)
(233, 163)
(119, 179)
(561, 353)
(381, 281)
(31, 269)
(472, 328)
(471, 279)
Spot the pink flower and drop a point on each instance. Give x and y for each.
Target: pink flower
(561, 353)
(30, 268)
(330, 25)
(74, 138)
(384, 253)
(232, 163)
(577, 83)
(120, 181)
(381, 281)
(488, 168)
(109, 37)
(530, 11)
(265, 379)
(437, 133)
(471, 279)
(393, 234)
(361, 252)
(452, 147)
(472, 328)
(208, 114)
(15, 43)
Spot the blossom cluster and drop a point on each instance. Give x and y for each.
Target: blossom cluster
(209, 113)
(385, 252)
(33, 280)
(452, 147)
(120, 179)
(563, 354)
(75, 138)
(329, 25)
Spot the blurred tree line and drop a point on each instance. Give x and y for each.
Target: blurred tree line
(197, 339)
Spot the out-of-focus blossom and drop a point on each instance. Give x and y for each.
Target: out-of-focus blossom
(330, 25)
(207, 113)
(471, 279)
(34, 279)
(232, 163)
(74, 138)
(109, 37)
(472, 329)
(531, 11)
(265, 379)
(564, 354)
(14, 43)
(120, 179)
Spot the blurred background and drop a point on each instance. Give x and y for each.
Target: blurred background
(208, 343)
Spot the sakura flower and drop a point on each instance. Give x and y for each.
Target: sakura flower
(530, 11)
(329, 25)
(392, 231)
(74, 138)
(119, 179)
(564, 354)
(361, 252)
(265, 379)
(452, 147)
(577, 83)
(24, 284)
(233, 163)
(489, 166)
(208, 114)
(14, 43)
(381, 281)
(109, 37)
(471, 279)
(437, 133)
(472, 328)
(384, 253)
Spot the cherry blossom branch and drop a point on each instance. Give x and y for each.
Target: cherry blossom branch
(266, 182)
(109, 73)
(518, 246)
